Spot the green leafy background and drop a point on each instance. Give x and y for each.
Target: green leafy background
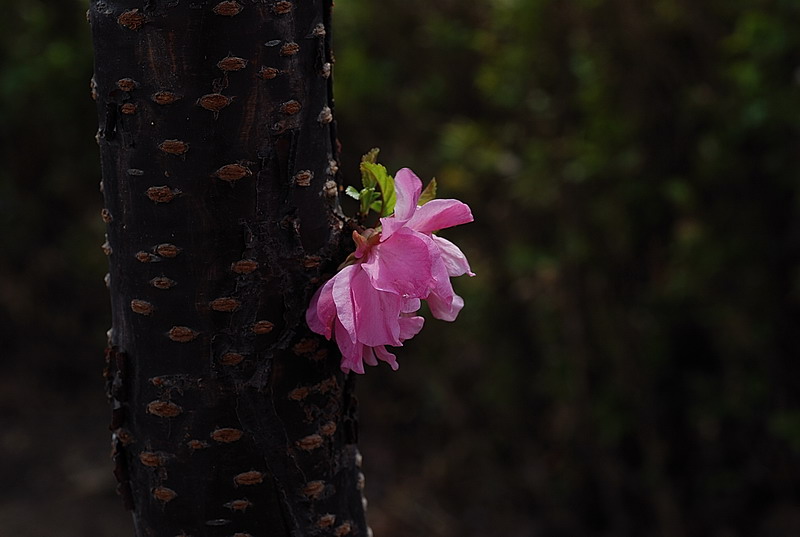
(626, 363)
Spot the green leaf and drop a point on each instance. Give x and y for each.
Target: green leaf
(367, 198)
(378, 174)
(370, 157)
(353, 193)
(428, 194)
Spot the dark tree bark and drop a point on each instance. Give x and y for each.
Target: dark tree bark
(219, 159)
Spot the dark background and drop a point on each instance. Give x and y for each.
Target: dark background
(626, 363)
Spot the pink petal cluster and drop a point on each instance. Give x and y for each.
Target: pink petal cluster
(373, 302)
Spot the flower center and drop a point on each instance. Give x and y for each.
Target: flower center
(364, 243)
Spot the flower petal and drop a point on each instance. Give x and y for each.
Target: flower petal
(440, 299)
(377, 313)
(322, 310)
(402, 265)
(444, 309)
(389, 225)
(441, 278)
(454, 259)
(343, 299)
(369, 356)
(410, 305)
(351, 351)
(387, 357)
(440, 214)
(408, 188)
(410, 326)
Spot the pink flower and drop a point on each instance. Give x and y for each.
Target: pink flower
(373, 302)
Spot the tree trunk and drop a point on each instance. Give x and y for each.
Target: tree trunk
(219, 159)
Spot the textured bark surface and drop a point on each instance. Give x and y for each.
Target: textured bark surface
(218, 156)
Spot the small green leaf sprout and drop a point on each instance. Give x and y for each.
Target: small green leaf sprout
(378, 192)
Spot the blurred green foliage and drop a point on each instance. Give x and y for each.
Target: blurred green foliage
(626, 362)
(52, 306)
